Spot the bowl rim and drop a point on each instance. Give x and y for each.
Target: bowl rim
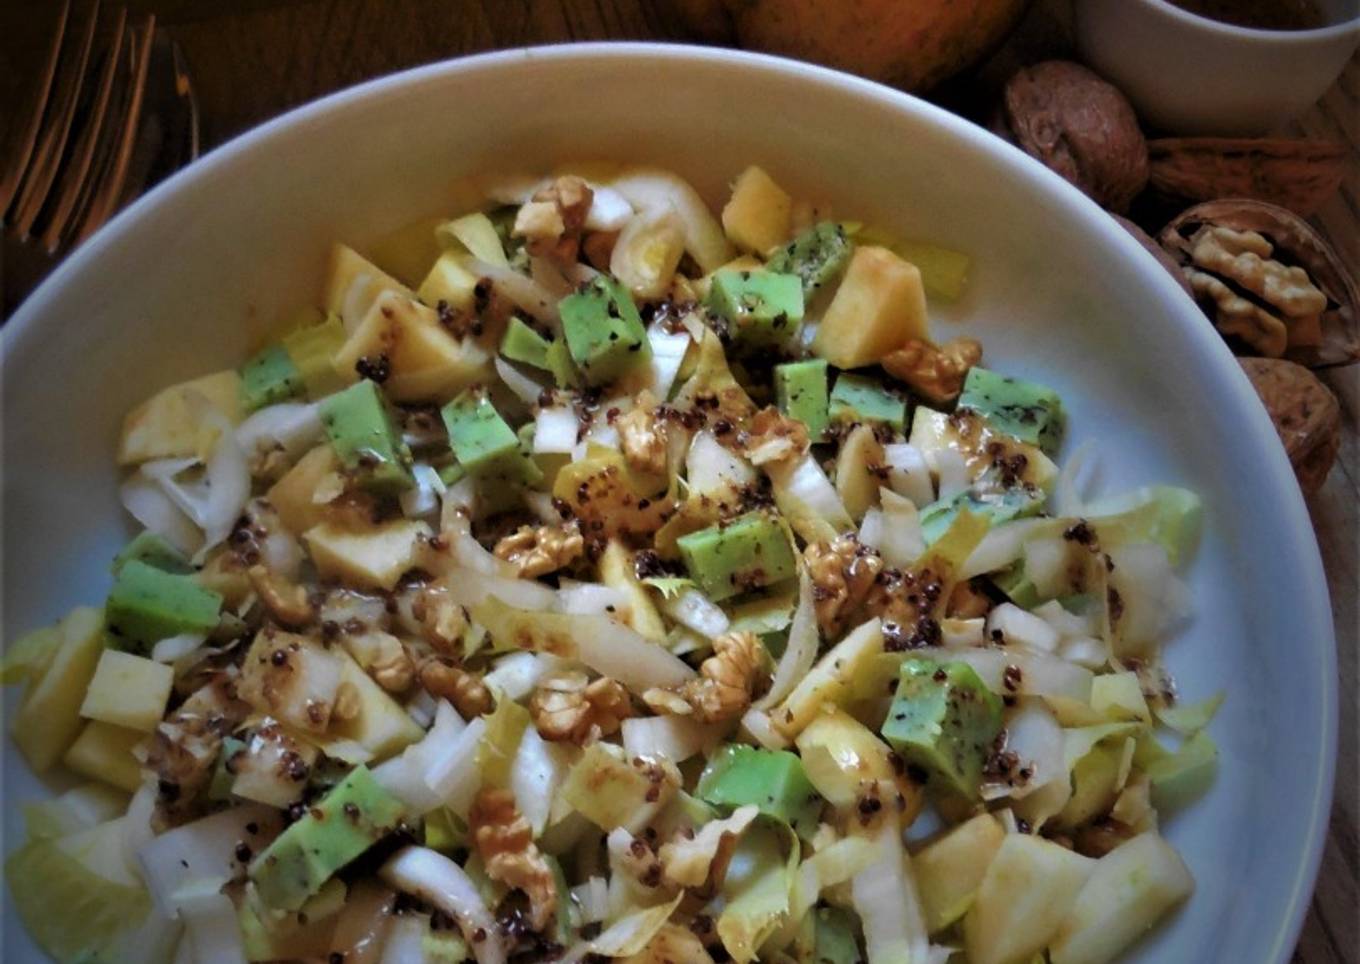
(1260, 35)
(1314, 598)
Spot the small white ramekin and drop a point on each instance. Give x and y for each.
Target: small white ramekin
(1188, 74)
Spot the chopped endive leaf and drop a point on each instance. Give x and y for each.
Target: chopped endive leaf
(633, 932)
(756, 890)
(670, 587)
(767, 612)
(27, 657)
(1181, 776)
(496, 752)
(1189, 719)
(70, 911)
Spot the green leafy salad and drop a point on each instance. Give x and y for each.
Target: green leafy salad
(591, 576)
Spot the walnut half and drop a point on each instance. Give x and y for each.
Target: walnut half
(935, 374)
(1260, 300)
(567, 708)
(843, 574)
(552, 220)
(464, 690)
(643, 437)
(537, 551)
(726, 685)
(505, 842)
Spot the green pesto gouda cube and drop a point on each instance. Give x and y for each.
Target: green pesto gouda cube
(944, 720)
(365, 438)
(800, 392)
(147, 604)
(352, 817)
(771, 780)
(817, 256)
(269, 378)
(478, 435)
(762, 309)
(522, 344)
(1028, 411)
(153, 550)
(603, 330)
(859, 398)
(747, 553)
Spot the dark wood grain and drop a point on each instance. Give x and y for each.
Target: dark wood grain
(253, 59)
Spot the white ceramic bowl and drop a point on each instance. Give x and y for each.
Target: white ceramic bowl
(1188, 74)
(184, 280)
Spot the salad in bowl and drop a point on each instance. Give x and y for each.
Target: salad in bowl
(631, 581)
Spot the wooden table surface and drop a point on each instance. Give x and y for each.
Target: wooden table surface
(252, 59)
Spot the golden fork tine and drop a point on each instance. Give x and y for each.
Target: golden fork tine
(47, 158)
(22, 150)
(107, 194)
(77, 169)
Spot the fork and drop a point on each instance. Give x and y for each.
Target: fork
(86, 142)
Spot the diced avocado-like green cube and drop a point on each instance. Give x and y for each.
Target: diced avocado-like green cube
(153, 550)
(817, 256)
(1014, 503)
(762, 308)
(479, 437)
(269, 378)
(945, 721)
(148, 604)
(747, 553)
(366, 439)
(800, 392)
(522, 344)
(311, 347)
(834, 929)
(859, 398)
(352, 817)
(603, 330)
(771, 780)
(1028, 411)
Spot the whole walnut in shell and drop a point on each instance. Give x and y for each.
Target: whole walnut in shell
(1268, 280)
(1080, 126)
(1306, 416)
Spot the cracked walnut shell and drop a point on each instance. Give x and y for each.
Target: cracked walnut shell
(1260, 268)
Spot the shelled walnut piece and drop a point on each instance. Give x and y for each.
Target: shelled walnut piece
(568, 708)
(843, 574)
(1306, 416)
(537, 551)
(770, 436)
(505, 841)
(728, 681)
(643, 437)
(1230, 267)
(1265, 276)
(552, 220)
(935, 373)
(464, 690)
